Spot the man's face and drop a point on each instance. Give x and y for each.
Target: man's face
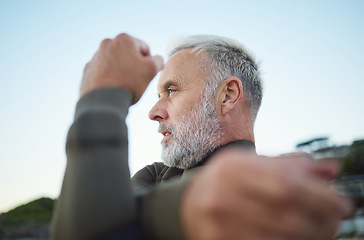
(185, 112)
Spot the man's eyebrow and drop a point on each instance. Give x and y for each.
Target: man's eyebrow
(169, 83)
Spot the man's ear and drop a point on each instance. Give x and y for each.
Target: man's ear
(231, 94)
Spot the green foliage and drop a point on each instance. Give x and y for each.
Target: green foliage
(38, 211)
(353, 162)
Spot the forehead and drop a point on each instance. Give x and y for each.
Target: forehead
(184, 68)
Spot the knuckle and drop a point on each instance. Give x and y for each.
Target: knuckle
(286, 189)
(105, 42)
(124, 41)
(86, 67)
(223, 163)
(212, 204)
(151, 68)
(304, 157)
(123, 37)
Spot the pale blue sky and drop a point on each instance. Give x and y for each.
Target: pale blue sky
(311, 55)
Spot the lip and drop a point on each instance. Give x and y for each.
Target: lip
(166, 135)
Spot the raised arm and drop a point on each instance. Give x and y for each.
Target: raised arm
(96, 197)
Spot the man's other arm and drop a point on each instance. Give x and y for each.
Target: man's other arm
(242, 196)
(159, 201)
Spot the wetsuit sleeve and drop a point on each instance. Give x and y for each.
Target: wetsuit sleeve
(96, 195)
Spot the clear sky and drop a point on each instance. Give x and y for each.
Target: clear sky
(311, 55)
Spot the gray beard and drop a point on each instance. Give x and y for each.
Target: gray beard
(194, 136)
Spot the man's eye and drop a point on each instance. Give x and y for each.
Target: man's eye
(170, 91)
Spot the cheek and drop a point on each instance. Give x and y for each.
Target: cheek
(181, 109)
(183, 104)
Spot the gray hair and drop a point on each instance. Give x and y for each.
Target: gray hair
(224, 58)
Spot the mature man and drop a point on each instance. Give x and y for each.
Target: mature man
(210, 93)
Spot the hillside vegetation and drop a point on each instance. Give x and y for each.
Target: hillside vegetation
(28, 220)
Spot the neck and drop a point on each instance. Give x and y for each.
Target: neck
(244, 144)
(233, 131)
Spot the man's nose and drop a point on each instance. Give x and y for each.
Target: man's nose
(158, 112)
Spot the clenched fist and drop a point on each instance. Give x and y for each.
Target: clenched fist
(244, 196)
(123, 62)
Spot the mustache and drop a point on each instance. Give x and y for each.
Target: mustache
(164, 127)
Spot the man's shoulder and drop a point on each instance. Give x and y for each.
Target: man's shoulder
(155, 173)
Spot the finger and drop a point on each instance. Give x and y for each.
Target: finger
(244, 215)
(86, 67)
(298, 191)
(152, 65)
(142, 47)
(326, 169)
(133, 43)
(315, 189)
(295, 159)
(290, 221)
(314, 194)
(298, 154)
(104, 43)
(159, 62)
